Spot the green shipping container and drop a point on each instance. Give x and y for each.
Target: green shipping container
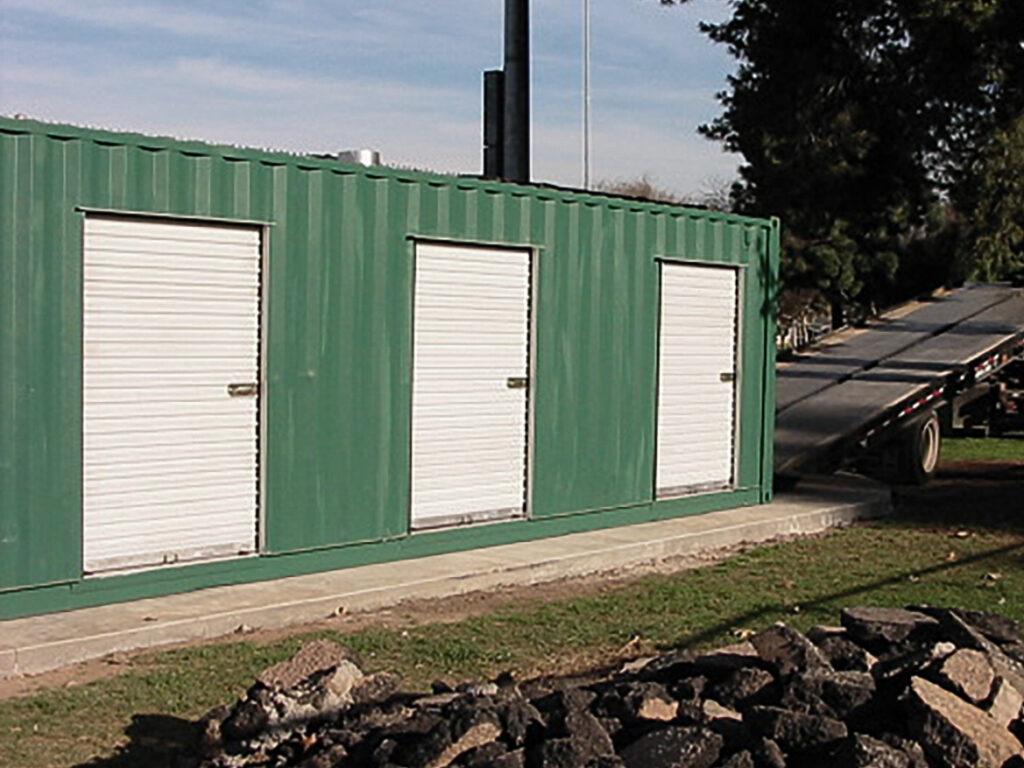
(221, 365)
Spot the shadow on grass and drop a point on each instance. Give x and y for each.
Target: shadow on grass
(968, 494)
(156, 741)
(749, 618)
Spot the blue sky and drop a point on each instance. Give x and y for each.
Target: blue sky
(402, 76)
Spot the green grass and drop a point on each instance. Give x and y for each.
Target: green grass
(803, 582)
(983, 449)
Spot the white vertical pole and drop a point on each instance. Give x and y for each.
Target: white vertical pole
(586, 94)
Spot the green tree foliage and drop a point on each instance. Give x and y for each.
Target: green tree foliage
(996, 226)
(867, 125)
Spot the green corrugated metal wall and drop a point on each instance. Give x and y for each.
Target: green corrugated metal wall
(338, 321)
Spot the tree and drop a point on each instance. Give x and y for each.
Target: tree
(858, 120)
(996, 231)
(642, 187)
(713, 196)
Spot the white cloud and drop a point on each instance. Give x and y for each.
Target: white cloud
(173, 19)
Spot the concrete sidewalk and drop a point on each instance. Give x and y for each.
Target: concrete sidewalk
(40, 643)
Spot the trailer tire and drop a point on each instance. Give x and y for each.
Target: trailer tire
(919, 449)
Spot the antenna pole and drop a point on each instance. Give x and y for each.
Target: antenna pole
(586, 94)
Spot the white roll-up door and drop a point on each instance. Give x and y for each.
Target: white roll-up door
(170, 391)
(471, 332)
(696, 379)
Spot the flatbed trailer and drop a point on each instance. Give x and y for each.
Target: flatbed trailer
(878, 399)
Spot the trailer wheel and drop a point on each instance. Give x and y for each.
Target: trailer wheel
(919, 449)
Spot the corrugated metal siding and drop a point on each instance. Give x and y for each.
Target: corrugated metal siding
(470, 335)
(696, 408)
(40, 378)
(339, 328)
(171, 318)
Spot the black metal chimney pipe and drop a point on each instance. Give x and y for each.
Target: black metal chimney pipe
(516, 164)
(494, 123)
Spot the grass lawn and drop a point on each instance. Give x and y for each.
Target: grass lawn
(943, 548)
(984, 449)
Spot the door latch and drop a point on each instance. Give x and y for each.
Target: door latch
(727, 377)
(246, 389)
(517, 382)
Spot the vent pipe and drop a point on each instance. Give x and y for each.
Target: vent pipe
(516, 162)
(366, 157)
(494, 124)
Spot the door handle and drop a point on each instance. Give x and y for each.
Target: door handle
(245, 389)
(517, 382)
(727, 377)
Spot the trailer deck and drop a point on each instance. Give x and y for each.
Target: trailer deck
(837, 397)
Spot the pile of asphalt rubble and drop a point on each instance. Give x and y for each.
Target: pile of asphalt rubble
(890, 688)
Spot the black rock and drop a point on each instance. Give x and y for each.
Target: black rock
(247, 719)
(966, 636)
(515, 759)
(419, 723)
(674, 747)
(687, 688)
(895, 670)
(613, 727)
(727, 723)
(211, 737)
(800, 698)
(787, 650)
(718, 664)
(746, 687)
(954, 732)
(669, 668)
(626, 701)
(331, 757)
(584, 728)
(794, 731)
(560, 753)
(842, 692)
(421, 749)
(566, 700)
(742, 759)
(999, 629)
(910, 748)
(1014, 651)
(483, 756)
(845, 655)
(519, 720)
(880, 629)
(376, 688)
(860, 751)
(768, 754)
(381, 753)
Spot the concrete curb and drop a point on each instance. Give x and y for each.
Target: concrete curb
(36, 644)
